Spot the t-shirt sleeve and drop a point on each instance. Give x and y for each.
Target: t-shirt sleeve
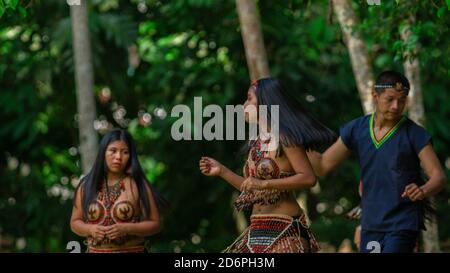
(347, 133)
(420, 138)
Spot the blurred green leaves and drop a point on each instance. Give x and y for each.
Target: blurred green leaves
(186, 49)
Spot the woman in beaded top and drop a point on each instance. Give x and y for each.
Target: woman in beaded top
(114, 206)
(271, 174)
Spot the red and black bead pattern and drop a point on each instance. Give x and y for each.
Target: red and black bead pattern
(275, 234)
(263, 168)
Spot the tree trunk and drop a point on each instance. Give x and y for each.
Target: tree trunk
(84, 81)
(412, 72)
(255, 51)
(258, 67)
(357, 51)
(430, 236)
(417, 114)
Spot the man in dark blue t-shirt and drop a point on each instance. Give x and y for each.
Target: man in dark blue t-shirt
(390, 149)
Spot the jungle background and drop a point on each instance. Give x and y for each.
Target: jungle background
(148, 56)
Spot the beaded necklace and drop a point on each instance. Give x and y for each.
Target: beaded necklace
(109, 196)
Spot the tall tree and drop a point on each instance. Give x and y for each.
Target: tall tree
(256, 56)
(416, 112)
(84, 80)
(255, 51)
(412, 70)
(357, 51)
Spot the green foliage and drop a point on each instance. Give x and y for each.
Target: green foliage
(10, 7)
(186, 49)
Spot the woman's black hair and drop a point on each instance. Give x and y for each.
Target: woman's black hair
(297, 127)
(93, 181)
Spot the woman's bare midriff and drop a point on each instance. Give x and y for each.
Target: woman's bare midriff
(286, 206)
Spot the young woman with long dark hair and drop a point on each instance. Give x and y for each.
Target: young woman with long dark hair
(277, 223)
(114, 206)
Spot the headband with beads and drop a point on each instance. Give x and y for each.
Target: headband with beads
(398, 86)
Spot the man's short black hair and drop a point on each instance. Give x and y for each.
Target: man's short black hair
(391, 79)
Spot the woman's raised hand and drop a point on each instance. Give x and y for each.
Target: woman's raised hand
(210, 167)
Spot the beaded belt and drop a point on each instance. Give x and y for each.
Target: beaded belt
(133, 249)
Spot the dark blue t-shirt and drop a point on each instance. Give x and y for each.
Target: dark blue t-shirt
(387, 167)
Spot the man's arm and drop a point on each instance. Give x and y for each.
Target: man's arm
(430, 163)
(433, 168)
(333, 156)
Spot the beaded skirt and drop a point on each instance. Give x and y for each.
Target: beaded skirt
(274, 233)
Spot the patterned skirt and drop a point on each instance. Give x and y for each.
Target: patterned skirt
(133, 249)
(275, 233)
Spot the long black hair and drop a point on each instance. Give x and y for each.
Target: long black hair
(297, 127)
(92, 182)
